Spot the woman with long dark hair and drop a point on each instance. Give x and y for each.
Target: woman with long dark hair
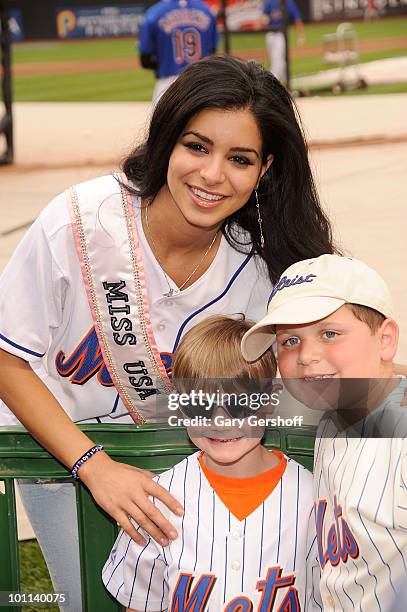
(208, 212)
(288, 200)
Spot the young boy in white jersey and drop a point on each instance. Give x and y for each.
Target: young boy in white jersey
(332, 318)
(248, 525)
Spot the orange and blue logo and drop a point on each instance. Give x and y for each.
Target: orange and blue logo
(86, 361)
(66, 22)
(192, 595)
(340, 541)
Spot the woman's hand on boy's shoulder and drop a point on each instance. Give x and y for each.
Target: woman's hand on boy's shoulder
(123, 491)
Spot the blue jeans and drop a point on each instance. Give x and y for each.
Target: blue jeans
(51, 508)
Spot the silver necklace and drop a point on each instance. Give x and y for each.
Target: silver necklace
(172, 291)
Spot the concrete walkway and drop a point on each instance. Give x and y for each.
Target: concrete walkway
(59, 135)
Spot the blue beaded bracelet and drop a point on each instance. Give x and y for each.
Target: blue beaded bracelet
(83, 459)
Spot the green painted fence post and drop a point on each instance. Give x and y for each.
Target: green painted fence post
(9, 568)
(97, 533)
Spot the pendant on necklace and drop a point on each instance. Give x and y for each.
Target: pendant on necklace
(169, 293)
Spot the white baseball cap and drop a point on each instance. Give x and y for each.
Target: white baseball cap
(312, 289)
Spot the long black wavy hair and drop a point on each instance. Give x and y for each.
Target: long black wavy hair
(294, 224)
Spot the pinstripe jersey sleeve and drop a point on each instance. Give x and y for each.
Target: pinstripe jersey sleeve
(134, 574)
(400, 512)
(361, 510)
(313, 601)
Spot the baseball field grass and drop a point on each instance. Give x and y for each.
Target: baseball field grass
(34, 573)
(108, 70)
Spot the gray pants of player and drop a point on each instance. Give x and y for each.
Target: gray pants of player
(162, 85)
(51, 509)
(275, 42)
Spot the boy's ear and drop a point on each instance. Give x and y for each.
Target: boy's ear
(389, 338)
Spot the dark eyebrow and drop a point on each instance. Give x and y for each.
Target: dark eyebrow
(245, 150)
(198, 135)
(209, 141)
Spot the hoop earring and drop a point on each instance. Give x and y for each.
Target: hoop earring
(259, 219)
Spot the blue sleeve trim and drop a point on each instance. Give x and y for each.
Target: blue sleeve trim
(197, 312)
(21, 348)
(116, 401)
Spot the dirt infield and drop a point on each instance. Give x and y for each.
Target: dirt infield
(30, 68)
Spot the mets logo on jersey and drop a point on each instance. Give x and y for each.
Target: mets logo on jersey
(192, 594)
(186, 17)
(86, 361)
(340, 543)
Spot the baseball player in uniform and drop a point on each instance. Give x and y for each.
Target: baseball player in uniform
(273, 19)
(248, 528)
(333, 318)
(173, 34)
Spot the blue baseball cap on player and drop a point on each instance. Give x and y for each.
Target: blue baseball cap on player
(312, 289)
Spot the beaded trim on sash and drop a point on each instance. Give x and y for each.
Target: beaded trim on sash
(113, 274)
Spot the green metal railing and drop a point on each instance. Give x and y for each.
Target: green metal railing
(153, 447)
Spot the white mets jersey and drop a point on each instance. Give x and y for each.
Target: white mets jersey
(219, 563)
(45, 317)
(360, 488)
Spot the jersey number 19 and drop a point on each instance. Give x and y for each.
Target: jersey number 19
(186, 45)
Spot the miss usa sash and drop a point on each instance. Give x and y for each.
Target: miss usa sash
(109, 253)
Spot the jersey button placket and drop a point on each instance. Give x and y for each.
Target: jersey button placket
(237, 534)
(235, 537)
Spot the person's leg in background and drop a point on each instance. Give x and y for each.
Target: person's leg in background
(51, 508)
(275, 42)
(162, 85)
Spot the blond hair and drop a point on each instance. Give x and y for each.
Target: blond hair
(211, 349)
